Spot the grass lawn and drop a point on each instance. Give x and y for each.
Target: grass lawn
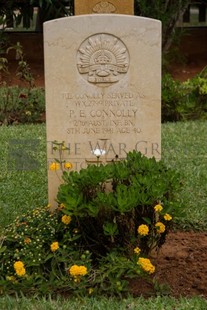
(158, 303)
(23, 187)
(184, 148)
(20, 189)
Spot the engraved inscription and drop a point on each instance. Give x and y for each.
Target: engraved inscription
(102, 59)
(100, 113)
(104, 7)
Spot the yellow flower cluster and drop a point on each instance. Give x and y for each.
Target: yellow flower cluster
(146, 265)
(167, 217)
(77, 271)
(160, 227)
(54, 246)
(18, 265)
(137, 250)
(66, 219)
(158, 208)
(143, 230)
(54, 166)
(19, 268)
(68, 165)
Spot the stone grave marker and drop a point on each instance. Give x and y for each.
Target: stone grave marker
(104, 7)
(103, 89)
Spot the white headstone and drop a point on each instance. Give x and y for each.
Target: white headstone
(103, 88)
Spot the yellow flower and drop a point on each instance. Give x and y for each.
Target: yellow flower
(18, 265)
(27, 240)
(21, 272)
(54, 246)
(146, 265)
(76, 270)
(19, 268)
(68, 165)
(158, 208)
(66, 219)
(167, 217)
(54, 166)
(137, 250)
(61, 206)
(160, 227)
(143, 230)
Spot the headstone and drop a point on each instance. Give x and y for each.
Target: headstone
(104, 7)
(103, 88)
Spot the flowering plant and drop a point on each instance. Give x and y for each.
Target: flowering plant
(123, 204)
(38, 249)
(60, 163)
(21, 105)
(108, 221)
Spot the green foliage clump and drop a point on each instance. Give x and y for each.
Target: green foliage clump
(108, 221)
(183, 101)
(111, 202)
(21, 105)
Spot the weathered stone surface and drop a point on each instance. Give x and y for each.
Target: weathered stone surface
(104, 7)
(103, 88)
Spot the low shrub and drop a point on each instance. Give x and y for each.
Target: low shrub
(21, 105)
(184, 100)
(108, 221)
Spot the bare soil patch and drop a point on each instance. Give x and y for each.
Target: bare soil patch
(37, 70)
(181, 266)
(183, 72)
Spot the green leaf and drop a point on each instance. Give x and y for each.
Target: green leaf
(147, 220)
(110, 229)
(2, 249)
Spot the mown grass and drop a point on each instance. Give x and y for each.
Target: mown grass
(20, 189)
(158, 303)
(184, 148)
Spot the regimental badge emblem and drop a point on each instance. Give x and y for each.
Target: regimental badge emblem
(103, 59)
(104, 7)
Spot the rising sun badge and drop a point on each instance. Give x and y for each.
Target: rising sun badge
(103, 59)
